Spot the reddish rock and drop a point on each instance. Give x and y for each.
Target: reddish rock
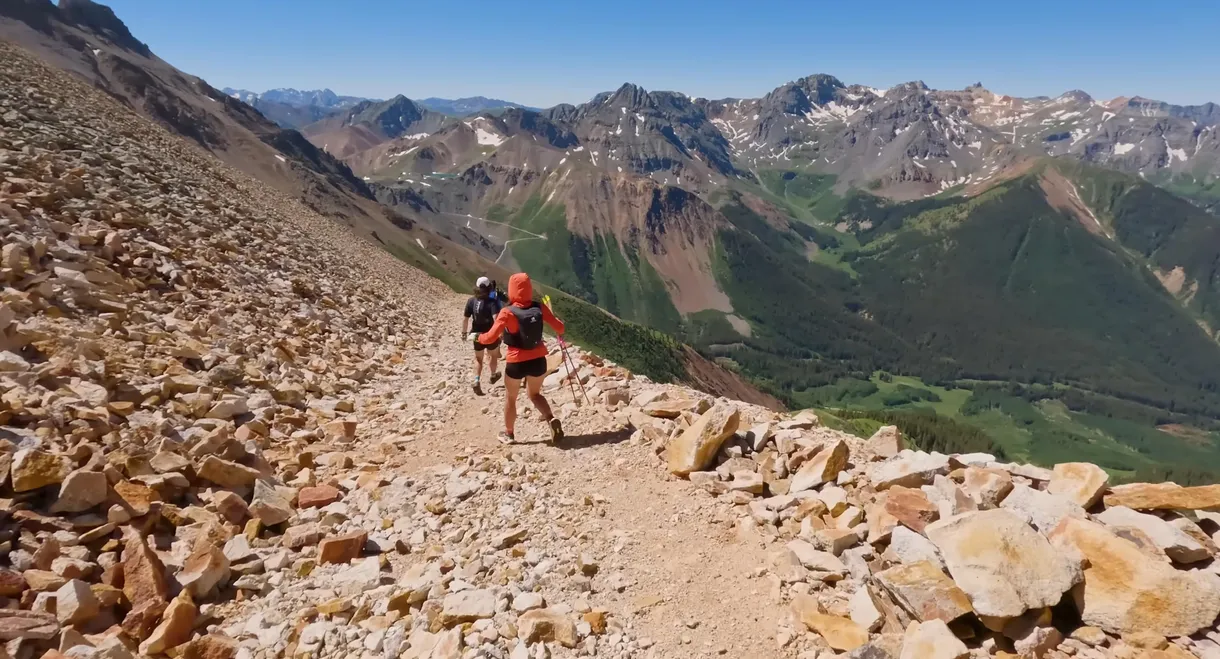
(317, 497)
(211, 646)
(231, 507)
(911, 507)
(143, 572)
(12, 584)
(342, 549)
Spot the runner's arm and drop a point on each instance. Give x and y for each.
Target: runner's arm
(550, 319)
(492, 335)
(466, 316)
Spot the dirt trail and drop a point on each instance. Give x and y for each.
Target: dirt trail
(690, 584)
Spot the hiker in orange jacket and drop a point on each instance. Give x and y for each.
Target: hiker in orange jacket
(520, 325)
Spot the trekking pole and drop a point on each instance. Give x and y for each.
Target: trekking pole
(563, 347)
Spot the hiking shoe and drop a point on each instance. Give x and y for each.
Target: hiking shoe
(556, 430)
(495, 377)
(477, 389)
(506, 437)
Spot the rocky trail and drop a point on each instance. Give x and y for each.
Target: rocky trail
(230, 429)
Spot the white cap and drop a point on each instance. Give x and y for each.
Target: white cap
(483, 282)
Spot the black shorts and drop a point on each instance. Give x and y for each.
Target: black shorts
(480, 347)
(534, 368)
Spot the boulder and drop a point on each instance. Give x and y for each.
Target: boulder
(342, 549)
(824, 467)
(1174, 542)
(547, 626)
(1164, 496)
(840, 633)
(909, 469)
(925, 592)
(932, 640)
(1003, 565)
(697, 446)
(910, 507)
(987, 487)
(1126, 591)
(32, 469)
(80, 491)
(886, 443)
(1081, 483)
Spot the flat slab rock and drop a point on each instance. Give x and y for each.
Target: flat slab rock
(1003, 565)
(1126, 591)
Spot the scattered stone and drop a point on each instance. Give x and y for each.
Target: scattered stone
(317, 497)
(932, 640)
(175, 628)
(697, 446)
(1041, 509)
(910, 507)
(925, 592)
(839, 633)
(81, 490)
(1164, 496)
(75, 602)
(824, 467)
(32, 469)
(547, 626)
(886, 443)
(908, 469)
(987, 487)
(342, 549)
(907, 546)
(1081, 483)
(1177, 544)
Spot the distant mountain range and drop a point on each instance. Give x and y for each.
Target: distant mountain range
(292, 108)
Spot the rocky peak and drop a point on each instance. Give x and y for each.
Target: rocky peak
(630, 96)
(102, 20)
(788, 99)
(820, 87)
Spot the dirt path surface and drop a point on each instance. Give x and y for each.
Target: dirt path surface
(671, 566)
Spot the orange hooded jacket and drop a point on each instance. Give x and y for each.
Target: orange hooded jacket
(520, 294)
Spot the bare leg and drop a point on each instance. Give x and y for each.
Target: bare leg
(478, 364)
(493, 359)
(511, 388)
(533, 387)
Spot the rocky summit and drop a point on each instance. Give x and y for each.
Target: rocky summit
(230, 429)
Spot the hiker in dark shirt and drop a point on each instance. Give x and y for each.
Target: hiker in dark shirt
(479, 316)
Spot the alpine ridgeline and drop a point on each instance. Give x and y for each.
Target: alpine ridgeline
(1042, 268)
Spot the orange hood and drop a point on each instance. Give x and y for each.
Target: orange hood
(520, 289)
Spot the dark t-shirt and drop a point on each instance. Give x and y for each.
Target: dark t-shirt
(482, 313)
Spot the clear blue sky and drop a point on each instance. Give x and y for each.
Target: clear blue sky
(542, 52)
